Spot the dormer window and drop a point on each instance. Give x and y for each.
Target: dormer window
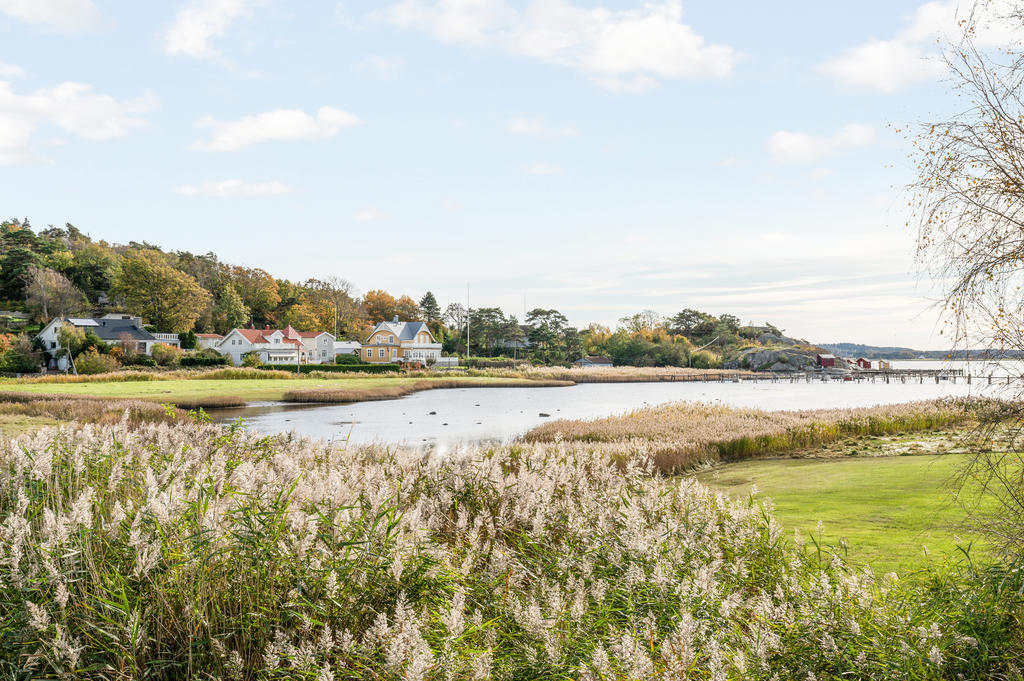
(391, 339)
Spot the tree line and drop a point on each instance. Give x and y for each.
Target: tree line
(60, 271)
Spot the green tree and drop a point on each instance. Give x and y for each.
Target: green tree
(170, 299)
(431, 310)
(229, 312)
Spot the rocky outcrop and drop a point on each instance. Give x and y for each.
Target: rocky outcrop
(765, 359)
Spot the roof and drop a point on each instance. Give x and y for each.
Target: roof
(594, 359)
(208, 335)
(827, 356)
(114, 329)
(402, 330)
(261, 335)
(81, 321)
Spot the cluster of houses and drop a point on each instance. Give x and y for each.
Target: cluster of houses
(829, 361)
(393, 341)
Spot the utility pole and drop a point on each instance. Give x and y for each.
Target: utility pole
(467, 324)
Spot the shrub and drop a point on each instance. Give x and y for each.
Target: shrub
(20, 358)
(336, 368)
(188, 340)
(702, 359)
(166, 355)
(348, 358)
(92, 362)
(204, 360)
(139, 360)
(251, 360)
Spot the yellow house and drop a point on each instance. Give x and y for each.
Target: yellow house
(397, 341)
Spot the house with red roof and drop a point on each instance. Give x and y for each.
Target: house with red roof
(278, 346)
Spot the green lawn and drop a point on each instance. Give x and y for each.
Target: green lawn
(246, 389)
(888, 509)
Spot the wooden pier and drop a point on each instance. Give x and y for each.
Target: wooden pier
(902, 376)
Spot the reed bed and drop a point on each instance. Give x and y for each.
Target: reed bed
(682, 435)
(86, 409)
(344, 395)
(605, 374)
(189, 551)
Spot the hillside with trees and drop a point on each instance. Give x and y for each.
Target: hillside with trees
(63, 272)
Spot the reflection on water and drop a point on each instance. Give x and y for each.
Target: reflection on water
(442, 419)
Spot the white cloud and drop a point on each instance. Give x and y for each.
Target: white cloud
(71, 107)
(799, 147)
(884, 65)
(543, 169)
(382, 67)
(65, 16)
(234, 189)
(276, 125)
(535, 127)
(196, 25)
(911, 55)
(368, 214)
(622, 50)
(10, 71)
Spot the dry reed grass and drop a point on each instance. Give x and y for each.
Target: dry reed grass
(191, 551)
(609, 374)
(343, 395)
(682, 435)
(87, 409)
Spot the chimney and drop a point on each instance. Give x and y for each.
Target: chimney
(267, 327)
(395, 320)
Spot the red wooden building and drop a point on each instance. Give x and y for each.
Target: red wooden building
(826, 360)
(863, 363)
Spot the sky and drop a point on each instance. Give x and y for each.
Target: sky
(599, 157)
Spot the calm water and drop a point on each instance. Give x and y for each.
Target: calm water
(500, 414)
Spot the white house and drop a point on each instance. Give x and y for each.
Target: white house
(208, 340)
(347, 347)
(111, 328)
(278, 346)
(397, 341)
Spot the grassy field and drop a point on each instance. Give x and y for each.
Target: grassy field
(250, 390)
(894, 512)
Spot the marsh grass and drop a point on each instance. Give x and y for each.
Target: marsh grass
(385, 392)
(609, 374)
(189, 551)
(682, 435)
(86, 409)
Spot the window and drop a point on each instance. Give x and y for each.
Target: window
(391, 339)
(369, 352)
(53, 344)
(382, 352)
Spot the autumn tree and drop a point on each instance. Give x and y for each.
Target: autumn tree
(258, 289)
(379, 306)
(337, 295)
(407, 310)
(968, 211)
(171, 300)
(49, 293)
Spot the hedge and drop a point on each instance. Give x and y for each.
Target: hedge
(200, 361)
(337, 368)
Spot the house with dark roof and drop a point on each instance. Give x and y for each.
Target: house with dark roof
(278, 346)
(397, 341)
(123, 329)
